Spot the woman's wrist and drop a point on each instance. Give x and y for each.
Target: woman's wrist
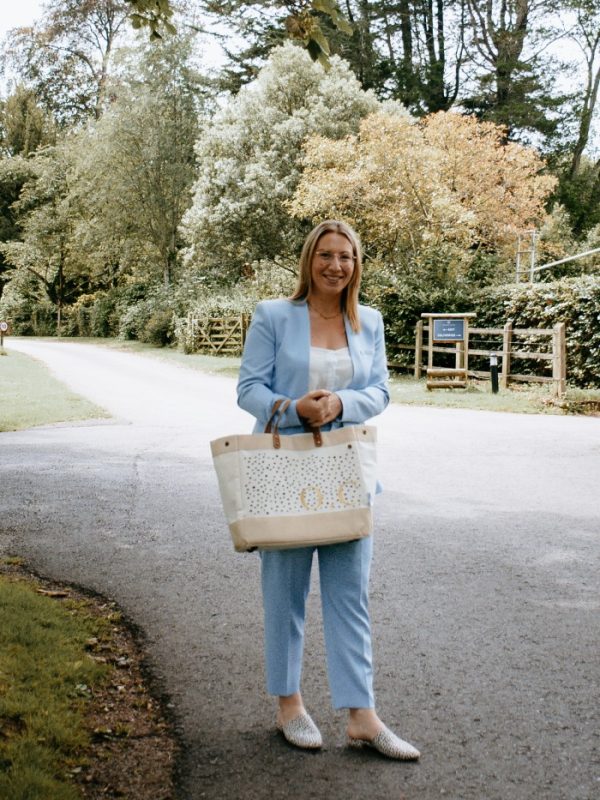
(338, 416)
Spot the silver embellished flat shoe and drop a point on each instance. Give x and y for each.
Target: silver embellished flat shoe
(388, 744)
(301, 732)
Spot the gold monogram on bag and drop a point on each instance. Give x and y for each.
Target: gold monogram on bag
(312, 497)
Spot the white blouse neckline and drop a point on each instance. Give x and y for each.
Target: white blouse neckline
(330, 369)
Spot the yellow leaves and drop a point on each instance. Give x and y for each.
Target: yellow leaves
(410, 187)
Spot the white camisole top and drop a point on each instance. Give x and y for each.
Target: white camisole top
(329, 369)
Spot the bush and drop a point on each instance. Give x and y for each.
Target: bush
(574, 301)
(92, 315)
(402, 303)
(133, 319)
(159, 329)
(149, 320)
(103, 319)
(27, 314)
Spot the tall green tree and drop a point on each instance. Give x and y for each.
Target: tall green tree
(136, 166)
(585, 33)
(24, 126)
(513, 78)
(14, 174)
(45, 218)
(412, 50)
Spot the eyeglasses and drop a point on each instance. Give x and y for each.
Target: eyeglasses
(327, 258)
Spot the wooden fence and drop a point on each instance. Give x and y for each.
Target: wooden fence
(223, 336)
(510, 344)
(226, 336)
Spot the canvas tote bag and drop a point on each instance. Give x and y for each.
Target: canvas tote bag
(294, 491)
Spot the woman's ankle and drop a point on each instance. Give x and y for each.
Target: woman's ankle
(290, 707)
(363, 723)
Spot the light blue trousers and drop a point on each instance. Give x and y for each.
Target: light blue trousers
(344, 580)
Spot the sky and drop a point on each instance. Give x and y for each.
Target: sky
(18, 14)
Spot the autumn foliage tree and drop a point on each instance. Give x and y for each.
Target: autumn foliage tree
(426, 196)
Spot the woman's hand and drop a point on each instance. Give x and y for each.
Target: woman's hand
(319, 407)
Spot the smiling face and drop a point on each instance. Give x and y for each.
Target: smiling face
(332, 266)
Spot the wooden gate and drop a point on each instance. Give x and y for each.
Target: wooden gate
(223, 336)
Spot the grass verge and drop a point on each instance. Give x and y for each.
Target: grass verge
(522, 398)
(32, 396)
(45, 674)
(76, 719)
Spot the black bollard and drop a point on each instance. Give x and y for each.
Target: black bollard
(494, 372)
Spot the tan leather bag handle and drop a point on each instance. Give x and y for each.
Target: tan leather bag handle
(279, 408)
(316, 432)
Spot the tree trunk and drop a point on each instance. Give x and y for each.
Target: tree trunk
(59, 299)
(435, 88)
(509, 41)
(589, 105)
(406, 32)
(499, 41)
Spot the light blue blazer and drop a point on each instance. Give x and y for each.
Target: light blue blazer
(275, 365)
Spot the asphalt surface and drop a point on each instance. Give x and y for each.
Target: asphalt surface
(485, 590)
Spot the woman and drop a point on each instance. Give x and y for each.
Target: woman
(326, 353)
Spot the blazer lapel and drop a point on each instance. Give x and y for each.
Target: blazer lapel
(301, 347)
(354, 340)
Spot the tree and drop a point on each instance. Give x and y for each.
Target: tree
(580, 193)
(586, 34)
(105, 203)
(23, 124)
(426, 197)
(486, 56)
(24, 127)
(249, 161)
(135, 166)
(45, 219)
(414, 49)
(508, 40)
(302, 19)
(14, 174)
(64, 58)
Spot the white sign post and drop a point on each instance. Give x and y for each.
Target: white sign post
(3, 329)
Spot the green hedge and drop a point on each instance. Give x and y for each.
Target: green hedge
(402, 305)
(574, 301)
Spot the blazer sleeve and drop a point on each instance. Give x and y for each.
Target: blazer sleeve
(359, 405)
(257, 370)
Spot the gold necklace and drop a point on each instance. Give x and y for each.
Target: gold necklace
(314, 308)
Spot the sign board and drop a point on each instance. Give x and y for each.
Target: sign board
(3, 327)
(448, 330)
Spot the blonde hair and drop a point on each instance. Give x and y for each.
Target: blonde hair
(350, 293)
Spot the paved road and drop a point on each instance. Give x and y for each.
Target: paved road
(485, 592)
